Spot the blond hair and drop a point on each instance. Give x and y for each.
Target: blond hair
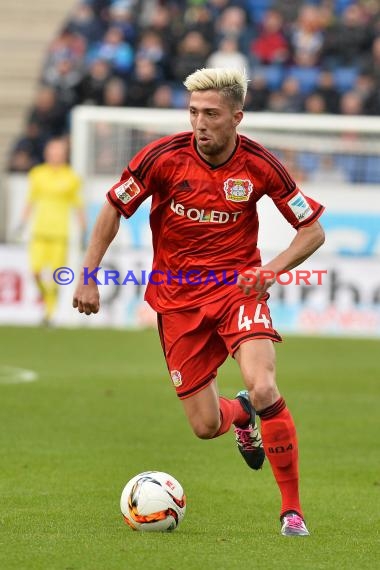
(231, 83)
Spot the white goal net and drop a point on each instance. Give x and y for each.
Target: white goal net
(342, 149)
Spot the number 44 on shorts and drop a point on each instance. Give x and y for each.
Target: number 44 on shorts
(244, 322)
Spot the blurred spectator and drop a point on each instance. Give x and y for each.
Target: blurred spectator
(142, 84)
(114, 50)
(192, 54)
(167, 22)
(371, 63)
(228, 55)
(156, 17)
(327, 90)
(100, 8)
(315, 104)
(351, 103)
(91, 88)
(347, 42)
(199, 18)
(293, 96)
(162, 97)
(64, 77)
(48, 113)
(216, 7)
(152, 46)
(28, 151)
(67, 45)
(115, 93)
(257, 94)
(121, 15)
(306, 37)
(271, 45)
(277, 102)
(365, 87)
(289, 9)
(84, 22)
(20, 161)
(288, 99)
(232, 23)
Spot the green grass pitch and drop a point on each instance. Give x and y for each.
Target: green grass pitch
(103, 409)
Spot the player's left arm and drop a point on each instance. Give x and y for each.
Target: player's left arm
(302, 212)
(306, 241)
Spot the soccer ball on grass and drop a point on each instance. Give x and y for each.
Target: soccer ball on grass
(153, 501)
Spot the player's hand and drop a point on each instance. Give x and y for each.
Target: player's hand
(256, 279)
(86, 298)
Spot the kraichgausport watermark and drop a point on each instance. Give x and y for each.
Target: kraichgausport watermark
(194, 277)
(63, 275)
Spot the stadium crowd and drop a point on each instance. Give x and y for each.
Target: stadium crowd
(316, 56)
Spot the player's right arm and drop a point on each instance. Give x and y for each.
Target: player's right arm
(86, 297)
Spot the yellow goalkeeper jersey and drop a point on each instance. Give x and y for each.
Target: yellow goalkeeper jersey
(53, 191)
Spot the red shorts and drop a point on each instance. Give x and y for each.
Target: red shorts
(196, 342)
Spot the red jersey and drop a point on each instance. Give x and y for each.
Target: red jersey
(203, 218)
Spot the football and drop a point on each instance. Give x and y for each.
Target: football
(153, 501)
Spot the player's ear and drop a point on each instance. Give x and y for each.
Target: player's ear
(238, 115)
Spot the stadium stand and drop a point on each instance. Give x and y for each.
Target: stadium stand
(25, 31)
(316, 56)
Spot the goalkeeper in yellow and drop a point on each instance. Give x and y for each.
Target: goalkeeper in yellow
(54, 189)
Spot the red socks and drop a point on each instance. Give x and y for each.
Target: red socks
(280, 444)
(231, 412)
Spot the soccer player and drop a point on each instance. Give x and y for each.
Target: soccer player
(205, 185)
(54, 189)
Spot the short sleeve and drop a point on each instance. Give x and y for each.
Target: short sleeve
(298, 209)
(136, 183)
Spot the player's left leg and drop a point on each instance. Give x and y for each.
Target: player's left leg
(256, 359)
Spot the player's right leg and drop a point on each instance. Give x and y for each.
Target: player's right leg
(193, 353)
(257, 364)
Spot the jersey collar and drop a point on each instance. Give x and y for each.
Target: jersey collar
(211, 166)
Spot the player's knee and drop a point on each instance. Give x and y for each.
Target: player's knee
(264, 394)
(205, 430)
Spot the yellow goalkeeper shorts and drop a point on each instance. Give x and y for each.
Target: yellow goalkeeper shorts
(47, 253)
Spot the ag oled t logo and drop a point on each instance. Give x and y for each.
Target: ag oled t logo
(300, 207)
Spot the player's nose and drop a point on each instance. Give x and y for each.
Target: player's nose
(200, 123)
